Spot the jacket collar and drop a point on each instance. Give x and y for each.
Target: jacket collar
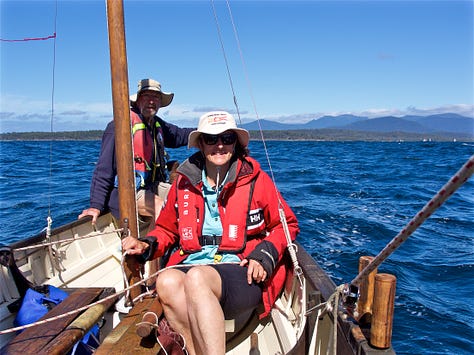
(193, 166)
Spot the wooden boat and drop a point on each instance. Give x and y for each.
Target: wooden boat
(87, 262)
(77, 258)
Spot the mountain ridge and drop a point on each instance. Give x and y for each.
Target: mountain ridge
(440, 127)
(438, 123)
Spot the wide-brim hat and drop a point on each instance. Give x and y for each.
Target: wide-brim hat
(217, 122)
(152, 85)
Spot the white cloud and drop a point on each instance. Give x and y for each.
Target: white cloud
(20, 114)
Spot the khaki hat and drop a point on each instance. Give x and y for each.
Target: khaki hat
(217, 122)
(152, 85)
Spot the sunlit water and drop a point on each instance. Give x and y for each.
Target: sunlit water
(350, 198)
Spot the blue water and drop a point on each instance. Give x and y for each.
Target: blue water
(350, 198)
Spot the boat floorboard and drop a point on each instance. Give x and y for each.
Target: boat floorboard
(124, 339)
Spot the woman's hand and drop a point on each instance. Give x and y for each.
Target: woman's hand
(133, 246)
(255, 271)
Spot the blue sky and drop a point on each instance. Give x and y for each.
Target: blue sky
(303, 59)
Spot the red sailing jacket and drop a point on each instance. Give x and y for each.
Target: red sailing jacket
(181, 219)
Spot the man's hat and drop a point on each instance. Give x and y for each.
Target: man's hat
(151, 85)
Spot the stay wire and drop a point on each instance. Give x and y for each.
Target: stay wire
(219, 34)
(291, 246)
(252, 97)
(52, 111)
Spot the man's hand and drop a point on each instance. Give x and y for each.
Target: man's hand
(94, 212)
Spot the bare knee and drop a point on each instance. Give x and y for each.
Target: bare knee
(169, 284)
(202, 279)
(195, 276)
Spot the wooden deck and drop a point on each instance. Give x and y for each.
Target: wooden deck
(124, 339)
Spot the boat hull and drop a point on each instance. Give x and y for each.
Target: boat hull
(76, 261)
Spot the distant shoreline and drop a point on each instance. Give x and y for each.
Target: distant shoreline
(335, 135)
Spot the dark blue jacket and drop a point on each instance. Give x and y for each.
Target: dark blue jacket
(104, 194)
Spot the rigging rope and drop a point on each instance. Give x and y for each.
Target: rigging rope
(443, 194)
(53, 37)
(291, 246)
(249, 87)
(69, 240)
(77, 310)
(29, 39)
(292, 250)
(225, 60)
(103, 300)
(52, 114)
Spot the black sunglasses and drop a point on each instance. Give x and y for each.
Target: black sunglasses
(226, 138)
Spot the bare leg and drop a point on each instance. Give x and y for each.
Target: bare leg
(191, 305)
(203, 291)
(170, 289)
(150, 205)
(158, 204)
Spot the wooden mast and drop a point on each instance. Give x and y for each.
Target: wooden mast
(123, 141)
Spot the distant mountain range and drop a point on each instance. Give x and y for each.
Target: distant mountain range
(442, 127)
(446, 122)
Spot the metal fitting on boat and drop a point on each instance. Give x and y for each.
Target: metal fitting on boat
(6, 256)
(350, 296)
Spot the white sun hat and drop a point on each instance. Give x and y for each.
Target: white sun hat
(217, 122)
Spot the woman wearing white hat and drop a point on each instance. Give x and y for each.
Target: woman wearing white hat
(223, 213)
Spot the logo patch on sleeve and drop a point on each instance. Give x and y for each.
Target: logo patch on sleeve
(255, 219)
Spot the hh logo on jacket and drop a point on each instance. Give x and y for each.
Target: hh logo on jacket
(255, 219)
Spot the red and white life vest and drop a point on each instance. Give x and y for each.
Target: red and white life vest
(144, 146)
(190, 203)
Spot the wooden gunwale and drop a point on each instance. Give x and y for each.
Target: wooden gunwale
(35, 340)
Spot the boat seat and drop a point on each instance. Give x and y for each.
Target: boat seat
(60, 335)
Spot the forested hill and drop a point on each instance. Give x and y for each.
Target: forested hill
(46, 136)
(299, 134)
(439, 127)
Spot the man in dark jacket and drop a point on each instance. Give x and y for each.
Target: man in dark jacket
(151, 135)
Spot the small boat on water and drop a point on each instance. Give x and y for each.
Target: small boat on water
(106, 296)
(86, 262)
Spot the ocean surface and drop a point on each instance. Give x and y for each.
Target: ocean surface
(351, 199)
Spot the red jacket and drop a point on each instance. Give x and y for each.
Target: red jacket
(263, 223)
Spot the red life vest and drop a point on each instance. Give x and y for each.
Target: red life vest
(190, 205)
(144, 144)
